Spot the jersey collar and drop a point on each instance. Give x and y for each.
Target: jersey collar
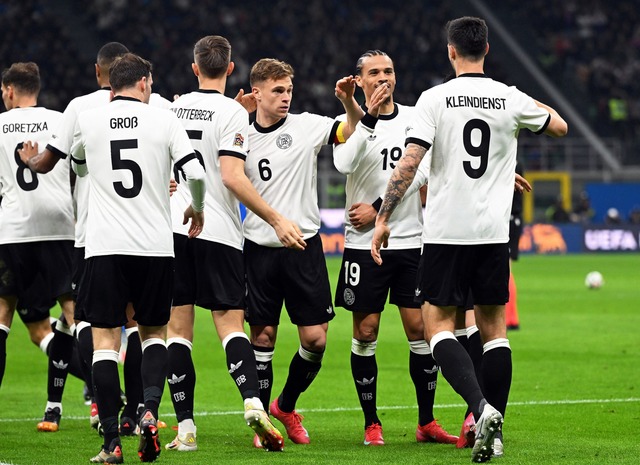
(271, 128)
(392, 115)
(208, 91)
(482, 75)
(122, 97)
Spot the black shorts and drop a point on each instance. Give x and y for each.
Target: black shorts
(208, 274)
(363, 285)
(448, 272)
(110, 282)
(79, 265)
(515, 231)
(37, 273)
(299, 278)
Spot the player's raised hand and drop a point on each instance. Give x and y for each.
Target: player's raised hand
(380, 239)
(362, 215)
(29, 150)
(197, 221)
(379, 96)
(289, 234)
(248, 101)
(345, 88)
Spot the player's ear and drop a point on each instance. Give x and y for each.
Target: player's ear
(486, 51)
(230, 68)
(97, 71)
(358, 80)
(195, 69)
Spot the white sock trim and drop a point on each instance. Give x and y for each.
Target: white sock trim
(496, 343)
(441, 336)
(105, 355)
(63, 328)
(80, 326)
(230, 336)
(44, 344)
(313, 357)
(4, 328)
(363, 348)
(180, 340)
(129, 331)
(420, 347)
(471, 330)
(263, 357)
(153, 341)
(51, 405)
(460, 332)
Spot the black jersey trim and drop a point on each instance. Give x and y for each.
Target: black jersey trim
(415, 140)
(122, 97)
(391, 115)
(77, 161)
(377, 204)
(180, 163)
(369, 121)
(482, 75)
(271, 128)
(208, 91)
(231, 153)
(544, 126)
(56, 151)
(334, 131)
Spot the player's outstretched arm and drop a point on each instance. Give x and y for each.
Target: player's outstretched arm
(248, 101)
(42, 162)
(557, 126)
(345, 91)
(235, 179)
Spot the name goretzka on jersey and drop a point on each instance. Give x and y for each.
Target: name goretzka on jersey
(25, 127)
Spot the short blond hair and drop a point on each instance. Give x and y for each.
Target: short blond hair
(269, 68)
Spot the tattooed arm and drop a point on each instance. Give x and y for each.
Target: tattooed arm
(401, 179)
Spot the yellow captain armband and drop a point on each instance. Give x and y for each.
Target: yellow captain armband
(340, 139)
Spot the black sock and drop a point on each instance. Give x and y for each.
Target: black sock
(181, 378)
(154, 369)
(107, 391)
(85, 351)
(264, 366)
(302, 372)
(364, 370)
(496, 371)
(3, 351)
(424, 374)
(241, 362)
(75, 365)
(60, 351)
(457, 368)
(475, 352)
(462, 338)
(132, 375)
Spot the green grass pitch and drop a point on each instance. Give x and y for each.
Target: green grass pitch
(575, 397)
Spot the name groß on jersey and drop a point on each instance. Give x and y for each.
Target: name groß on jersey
(124, 123)
(25, 127)
(486, 103)
(194, 113)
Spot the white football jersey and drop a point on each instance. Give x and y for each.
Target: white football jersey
(128, 149)
(157, 100)
(217, 126)
(35, 207)
(368, 158)
(282, 165)
(60, 144)
(471, 124)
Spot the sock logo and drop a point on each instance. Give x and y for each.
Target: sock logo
(233, 367)
(176, 379)
(432, 371)
(241, 380)
(264, 384)
(261, 366)
(58, 382)
(179, 396)
(60, 365)
(365, 381)
(418, 292)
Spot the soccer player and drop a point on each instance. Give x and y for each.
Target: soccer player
(210, 269)
(290, 268)
(471, 124)
(368, 158)
(58, 147)
(127, 148)
(36, 225)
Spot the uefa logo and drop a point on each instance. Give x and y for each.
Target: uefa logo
(284, 141)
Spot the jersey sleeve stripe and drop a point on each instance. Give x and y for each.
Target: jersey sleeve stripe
(77, 161)
(180, 163)
(333, 135)
(231, 153)
(415, 140)
(544, 126)
(57, 152)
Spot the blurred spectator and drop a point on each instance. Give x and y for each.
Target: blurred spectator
(613, 216)
(634, 215)
(556, 213)
(582, 213)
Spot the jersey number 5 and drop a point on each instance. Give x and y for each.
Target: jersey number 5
(117, 163)
(481, 150)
